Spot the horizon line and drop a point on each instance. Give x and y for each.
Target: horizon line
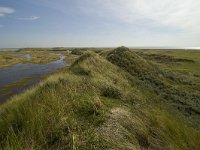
(133, 47)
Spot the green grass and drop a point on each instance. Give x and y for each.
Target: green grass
(7, 90)
(40, 56)
(7, 58)
(113, 101)
(193, 55)
(70, 58)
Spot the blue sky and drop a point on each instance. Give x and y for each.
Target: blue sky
(88, 23)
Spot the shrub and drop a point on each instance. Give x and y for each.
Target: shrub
(111, 91)
(78, 51)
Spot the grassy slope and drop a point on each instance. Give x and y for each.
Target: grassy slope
(98, 104)
(175, 89)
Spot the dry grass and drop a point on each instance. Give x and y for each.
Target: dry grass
(7, 59)
(70, 110)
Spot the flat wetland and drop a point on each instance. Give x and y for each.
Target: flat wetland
(21, 69)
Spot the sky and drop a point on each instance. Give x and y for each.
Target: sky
(99, 23)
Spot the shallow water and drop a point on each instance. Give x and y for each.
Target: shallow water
(18, 72)
(26, 56)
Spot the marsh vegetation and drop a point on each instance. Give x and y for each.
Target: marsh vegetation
(109, 99)
(30, 67)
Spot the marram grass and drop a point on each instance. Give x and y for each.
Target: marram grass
(98, 103)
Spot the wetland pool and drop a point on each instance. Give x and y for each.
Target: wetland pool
(16, 78)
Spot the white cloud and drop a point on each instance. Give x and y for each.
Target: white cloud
(180, 14)
(29, 18)
(177, 14)
(6, 10)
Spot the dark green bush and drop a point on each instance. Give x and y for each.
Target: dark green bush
(111, 91)
(78, 51)
(81, 71)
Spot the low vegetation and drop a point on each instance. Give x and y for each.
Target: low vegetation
(184, 100)
(8, 59)
(40, 56)
(116, 99)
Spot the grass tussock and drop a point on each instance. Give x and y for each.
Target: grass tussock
(96, 104)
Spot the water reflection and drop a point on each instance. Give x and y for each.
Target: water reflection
(26, 56)
(21, 71)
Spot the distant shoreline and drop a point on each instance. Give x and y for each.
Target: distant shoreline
(143, 48)
(13, 49)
